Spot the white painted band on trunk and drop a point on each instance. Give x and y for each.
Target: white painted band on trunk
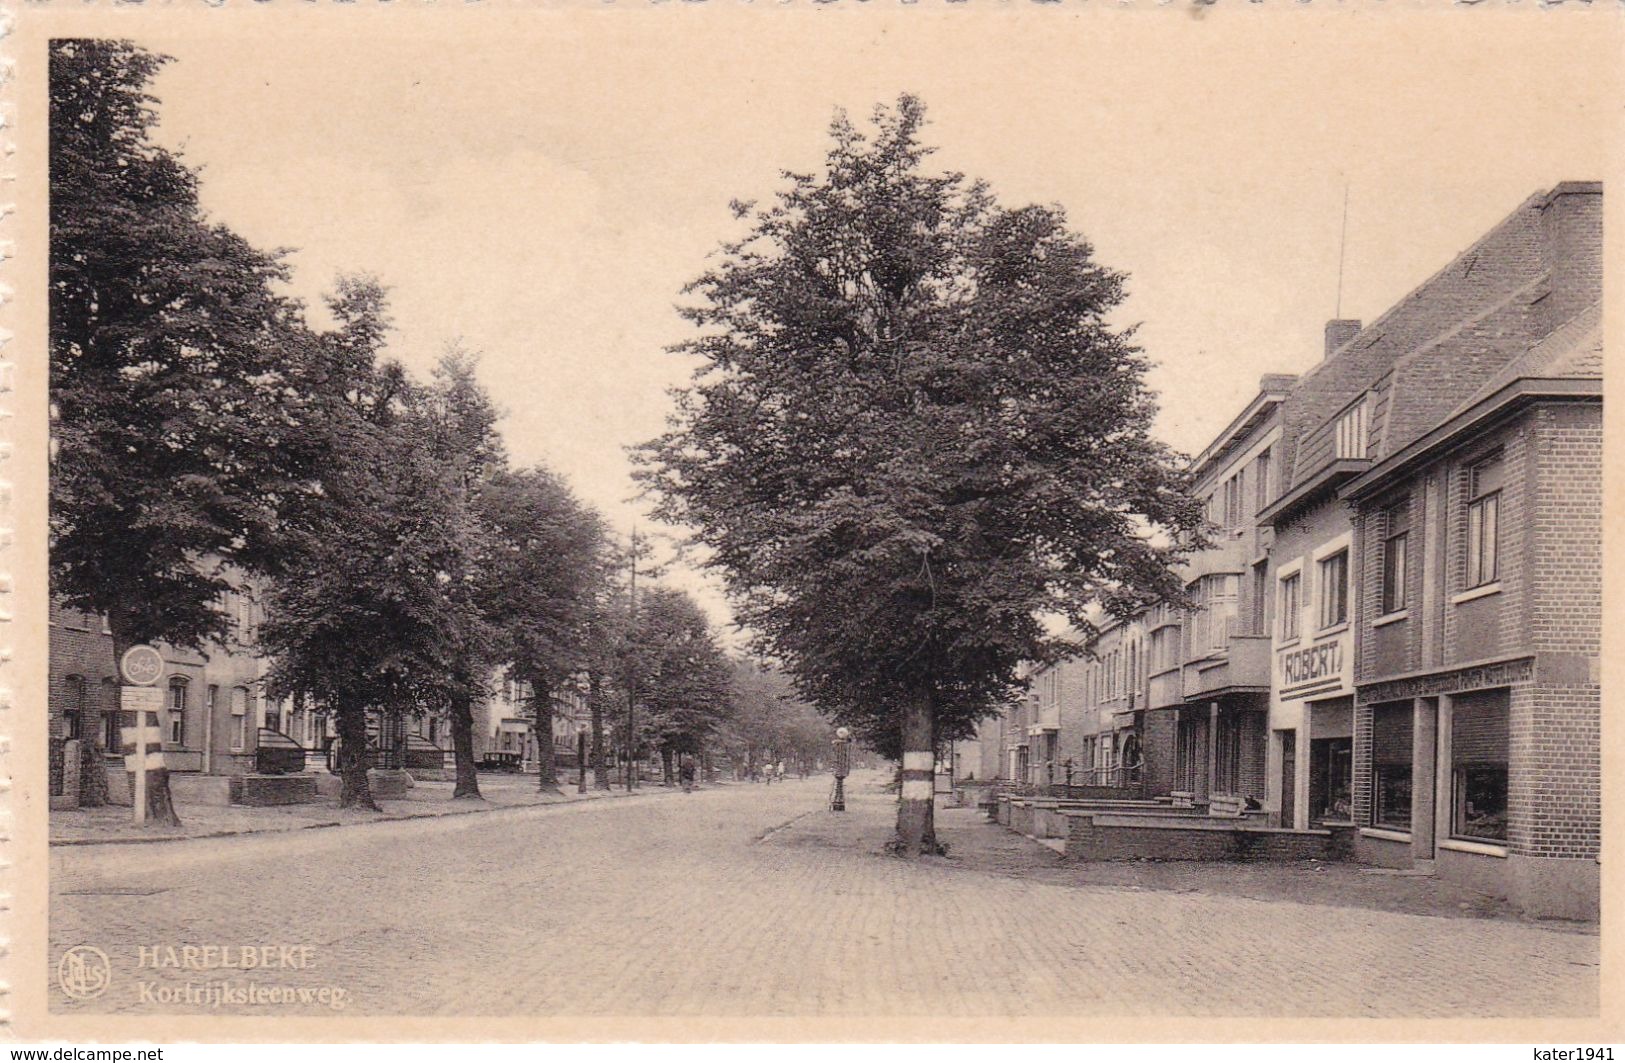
(919, 761)
(917, 789)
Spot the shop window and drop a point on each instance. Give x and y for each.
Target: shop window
(1331, 779)
(1395, 548)
(1334, 589)
(1483, 521)
(1478, 762)
(1392, 727)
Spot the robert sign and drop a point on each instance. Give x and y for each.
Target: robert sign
(1315, 669)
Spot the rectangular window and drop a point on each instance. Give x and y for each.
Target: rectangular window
(1391, 733)
(177, 713)
(1483, 521)
(1478, 762)
(1334, 589)
(1291, 605)
(1232, 499)
(1261, 480)
(239, 714)
(1260, 595)
(1395, 547)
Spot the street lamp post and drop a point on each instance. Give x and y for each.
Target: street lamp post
(581, 758)
(842, 760)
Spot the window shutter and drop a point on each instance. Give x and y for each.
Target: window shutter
(1479, 727)
(1391, 730)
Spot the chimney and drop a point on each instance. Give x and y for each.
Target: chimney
(1572, 220)
(1338, 332)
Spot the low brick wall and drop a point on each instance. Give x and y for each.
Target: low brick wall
(387, 783)
(1103, 838)
(263, 790)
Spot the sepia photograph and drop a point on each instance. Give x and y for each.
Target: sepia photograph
(802, 523)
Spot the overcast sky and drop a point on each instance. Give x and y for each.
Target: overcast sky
(543, 192)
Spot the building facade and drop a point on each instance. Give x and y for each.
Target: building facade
(1437, 532)
(1478, 705)
(1397, 622)
(214, 707)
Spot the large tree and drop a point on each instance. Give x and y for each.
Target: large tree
(177, 431)
(456, 421)
(912, 436)
(358, 619)
(683, 679)
(547, 561)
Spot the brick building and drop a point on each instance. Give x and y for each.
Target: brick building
(1221, 705)
(1477, 726)
(1437, 534)
(213, 706)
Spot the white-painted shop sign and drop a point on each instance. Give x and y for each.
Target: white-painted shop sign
(1316, 670)
(141, 666)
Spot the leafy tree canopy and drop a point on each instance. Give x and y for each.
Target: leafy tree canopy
(912, 434)
(179, 430)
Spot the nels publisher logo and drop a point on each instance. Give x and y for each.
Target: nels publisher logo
(83, 973)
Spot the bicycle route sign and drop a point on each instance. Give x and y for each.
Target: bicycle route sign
(141, 666)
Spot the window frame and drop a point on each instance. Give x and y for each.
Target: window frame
(1289, 619)
(1483, 562)
(239, 733)
(1322, 584)
(175, 732)
(1394, 590)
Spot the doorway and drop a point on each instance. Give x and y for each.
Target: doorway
(1289, 778)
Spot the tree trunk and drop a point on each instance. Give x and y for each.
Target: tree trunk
(354, 790)
(93, 791)
(667, 775)
(462, 744)
(595, 702)
(160, 805)
(547, 766)
(916, 827)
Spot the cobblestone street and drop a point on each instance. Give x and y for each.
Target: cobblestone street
(753, 900)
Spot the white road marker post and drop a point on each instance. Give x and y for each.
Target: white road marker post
(141, 667)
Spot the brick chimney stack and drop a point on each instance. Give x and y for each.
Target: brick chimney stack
(1338, 332)
(1572, 220)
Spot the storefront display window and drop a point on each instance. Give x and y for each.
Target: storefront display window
(1391, 730)
(1478, 760)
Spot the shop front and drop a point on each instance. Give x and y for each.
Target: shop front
(1311, 733)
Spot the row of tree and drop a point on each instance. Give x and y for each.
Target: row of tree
(203, 428)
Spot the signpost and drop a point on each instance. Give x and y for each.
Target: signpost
(141, 667)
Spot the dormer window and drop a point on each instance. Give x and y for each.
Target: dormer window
(1352, 432)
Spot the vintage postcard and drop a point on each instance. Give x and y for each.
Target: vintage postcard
(932, 522)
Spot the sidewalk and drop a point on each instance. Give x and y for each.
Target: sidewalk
(112, 824)
(979, 847)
